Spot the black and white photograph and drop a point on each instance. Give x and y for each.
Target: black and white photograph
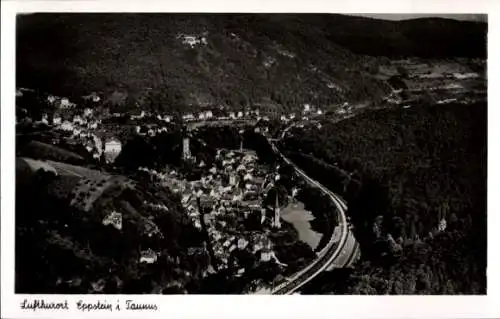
(171, 153)
(245, 153)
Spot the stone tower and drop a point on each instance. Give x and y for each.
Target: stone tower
(186, 152)
(277, 222)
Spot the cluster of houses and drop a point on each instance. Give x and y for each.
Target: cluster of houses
(231, 115)
(60, 102)
(63, 104)
(83, 127)
(308, 112)
(193, 40)
(209, 115)
(225, 196)
(202, 115)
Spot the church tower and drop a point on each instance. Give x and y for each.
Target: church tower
(186, 151)
(241, 140)
(277, 222)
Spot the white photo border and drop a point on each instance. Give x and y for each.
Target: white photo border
(190, 306)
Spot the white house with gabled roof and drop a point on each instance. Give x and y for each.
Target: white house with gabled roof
(112, 149)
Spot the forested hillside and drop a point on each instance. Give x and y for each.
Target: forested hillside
(101, 250)
(404, 173)
(183, 61)
(423, 37)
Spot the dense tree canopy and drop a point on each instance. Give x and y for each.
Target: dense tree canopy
(403, 172)
(282, 61)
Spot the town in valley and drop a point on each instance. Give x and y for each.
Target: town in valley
(212, 158)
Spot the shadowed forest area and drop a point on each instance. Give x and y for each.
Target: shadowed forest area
(278, 62)
(404, 173)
